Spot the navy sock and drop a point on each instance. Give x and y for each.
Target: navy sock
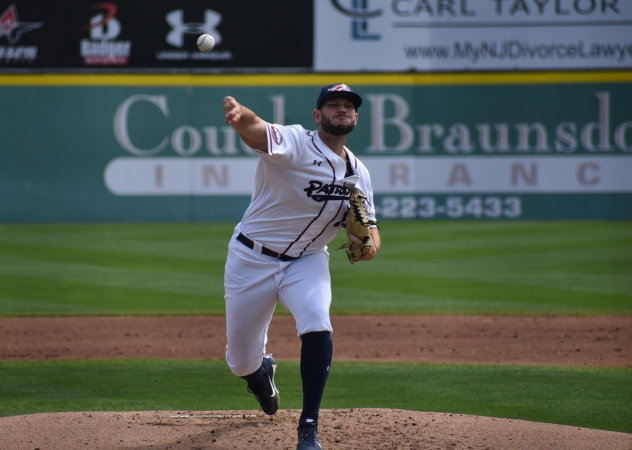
(316, 354)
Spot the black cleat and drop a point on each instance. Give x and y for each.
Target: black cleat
(308, 437)
(268, 396)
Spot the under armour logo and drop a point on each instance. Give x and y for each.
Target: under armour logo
(179, 28)
(317, 163)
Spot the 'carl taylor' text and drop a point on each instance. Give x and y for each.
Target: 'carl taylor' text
(505, 8)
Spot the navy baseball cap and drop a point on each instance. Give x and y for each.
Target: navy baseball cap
(340, 90)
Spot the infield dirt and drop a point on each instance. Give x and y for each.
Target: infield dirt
(558, 341)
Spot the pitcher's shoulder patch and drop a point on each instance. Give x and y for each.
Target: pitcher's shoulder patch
(277, 137)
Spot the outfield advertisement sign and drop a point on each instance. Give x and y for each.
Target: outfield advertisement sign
(164, 153)
(454, 35)
(129, 176)
(162, 34)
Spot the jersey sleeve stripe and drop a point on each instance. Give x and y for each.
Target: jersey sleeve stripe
(269, 139)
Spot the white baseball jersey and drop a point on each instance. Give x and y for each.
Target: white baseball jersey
(300, 198)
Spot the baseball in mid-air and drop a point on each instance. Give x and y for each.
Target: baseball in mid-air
(206, 42)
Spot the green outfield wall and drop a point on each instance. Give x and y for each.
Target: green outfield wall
(93, 148)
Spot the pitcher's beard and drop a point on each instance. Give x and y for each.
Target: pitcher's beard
(336, 130)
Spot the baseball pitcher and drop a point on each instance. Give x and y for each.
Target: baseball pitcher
(303, 185)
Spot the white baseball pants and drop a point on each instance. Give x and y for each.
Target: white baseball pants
(254, 283)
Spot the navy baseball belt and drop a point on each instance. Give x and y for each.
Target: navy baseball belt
(266, 251)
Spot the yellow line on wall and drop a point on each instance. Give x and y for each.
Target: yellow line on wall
(352, 79)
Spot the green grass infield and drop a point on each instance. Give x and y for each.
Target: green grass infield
(562, 268)
(585, 397)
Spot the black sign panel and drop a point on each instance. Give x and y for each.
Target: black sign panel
(157, 34)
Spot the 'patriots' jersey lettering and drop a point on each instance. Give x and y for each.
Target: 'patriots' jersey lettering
(322, 192)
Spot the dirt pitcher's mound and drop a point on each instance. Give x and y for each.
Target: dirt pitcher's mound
(365, 429)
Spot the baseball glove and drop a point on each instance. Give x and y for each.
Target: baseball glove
(358, 225)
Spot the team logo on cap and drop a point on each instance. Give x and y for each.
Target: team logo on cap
(340, 87)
